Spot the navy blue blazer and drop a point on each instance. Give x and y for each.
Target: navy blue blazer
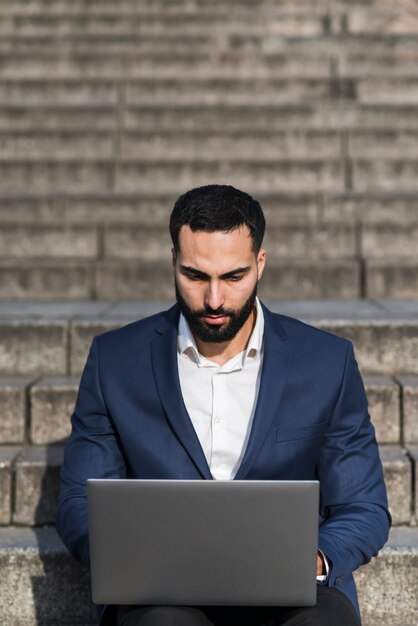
(311, 422)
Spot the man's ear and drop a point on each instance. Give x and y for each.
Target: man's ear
(261, 262)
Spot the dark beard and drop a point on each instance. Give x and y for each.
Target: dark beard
(216, 334)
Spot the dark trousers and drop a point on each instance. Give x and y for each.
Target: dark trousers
(333, 608)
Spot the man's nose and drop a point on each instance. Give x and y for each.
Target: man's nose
(214, 296)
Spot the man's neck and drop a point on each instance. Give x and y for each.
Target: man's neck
(220, 353)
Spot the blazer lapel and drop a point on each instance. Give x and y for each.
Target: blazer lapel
(165, 369)
(275, 369)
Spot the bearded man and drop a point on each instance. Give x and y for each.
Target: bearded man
(218, 387)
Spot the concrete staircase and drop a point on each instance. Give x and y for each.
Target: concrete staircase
(43, 348)
(108, 111)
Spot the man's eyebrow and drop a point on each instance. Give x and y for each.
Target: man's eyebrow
(186, 269)
(238, 270)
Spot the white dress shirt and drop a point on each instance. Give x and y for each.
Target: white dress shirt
(221, 399)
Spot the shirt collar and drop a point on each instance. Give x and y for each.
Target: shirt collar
(186, 344)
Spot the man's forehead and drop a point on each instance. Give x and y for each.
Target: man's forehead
(239, 236)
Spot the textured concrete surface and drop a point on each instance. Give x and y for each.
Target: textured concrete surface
(397, 468)
(413, 454)
(382, 601)
(37, 485)
(52, 402)
(35, 347)
(7, 456)
(383, 395)
(40, 582)
(13, 410)
(410, 408)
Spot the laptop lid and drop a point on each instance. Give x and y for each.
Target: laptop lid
(182, 542)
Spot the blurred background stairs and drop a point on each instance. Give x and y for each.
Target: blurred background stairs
(108, 111)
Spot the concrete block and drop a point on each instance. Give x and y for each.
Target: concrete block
(281, 175)
(383, 395)
(37, 485)
(392, 278)
(244, 118)
(379, 174)
(151, 209)
(381, 601)
(55, 175)
(413, 454)
(293, 144)
(57, 117)
(41, 583)
(310, 279)
(44, 240)
(33, 348)
(388, 91)
(370, 208)
(44, 91)
(138, 242)
(282, 208)
(82, 333)
(52, 401)
(389, 240)
(397, 469)
(383, 348)
(367, 21)
(383, 143)
(47, 279)
(59, 145)
(133, 280)
(13, 409)
(294, 240)
(7, 456)
(409, 408)
(269, 90)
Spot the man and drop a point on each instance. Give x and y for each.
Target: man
(218, 387)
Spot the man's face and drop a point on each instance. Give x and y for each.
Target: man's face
(216, 276)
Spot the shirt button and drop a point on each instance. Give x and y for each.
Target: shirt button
(216, 419)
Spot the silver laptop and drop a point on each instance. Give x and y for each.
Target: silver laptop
(203, 542)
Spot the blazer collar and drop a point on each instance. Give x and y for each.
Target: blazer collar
(165, 367)
(275, 369)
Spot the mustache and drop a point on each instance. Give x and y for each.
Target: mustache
(219, 311)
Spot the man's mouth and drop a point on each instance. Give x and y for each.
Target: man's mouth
(215, 320)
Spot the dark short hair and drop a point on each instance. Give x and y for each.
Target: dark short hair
(218, 208)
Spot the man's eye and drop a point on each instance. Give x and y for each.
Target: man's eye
(193, 277)
(235, 279)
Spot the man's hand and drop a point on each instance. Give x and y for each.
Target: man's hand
(320, 565)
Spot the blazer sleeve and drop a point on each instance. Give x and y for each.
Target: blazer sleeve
(92, 451)
(353, 495)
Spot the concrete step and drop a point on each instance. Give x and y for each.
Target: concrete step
(310, 208)
(391, 278)
(344, 115)
(29, 484)
(303, 25)
(278, 174)
(52, 339)
(130, 279)
(291, 143)
(37, 411)
(53, 589)
(41, 583)
(247, 117)
(294, 240)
